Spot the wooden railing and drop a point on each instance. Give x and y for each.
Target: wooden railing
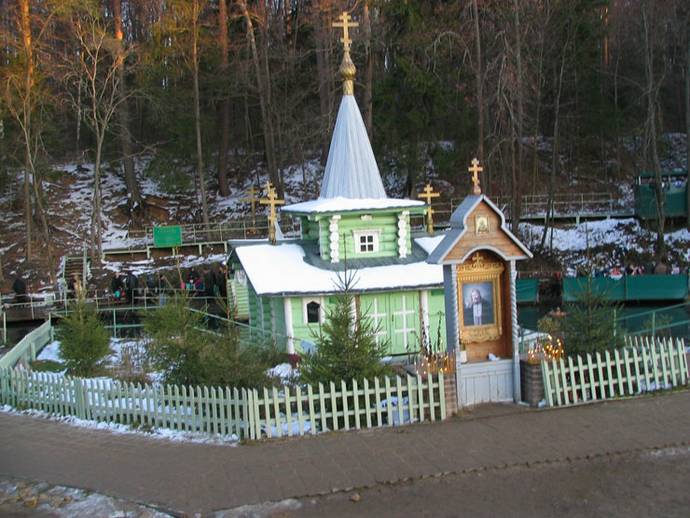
(27, 348)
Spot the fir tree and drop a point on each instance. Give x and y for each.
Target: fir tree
(346, 346)
(176, 341)
(590, 324)
(84, 341)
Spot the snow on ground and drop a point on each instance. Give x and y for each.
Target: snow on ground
(117, 428)
(625, 236)
(24, 497)
(284, 372)
(118, 347)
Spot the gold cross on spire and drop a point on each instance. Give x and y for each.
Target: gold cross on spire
(252, 198)
(271, 200)
(475, 169)
(427, 194)
(345, 23)
(347, 67)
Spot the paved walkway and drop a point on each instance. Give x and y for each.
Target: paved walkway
(200, 478)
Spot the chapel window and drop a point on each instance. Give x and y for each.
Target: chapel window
(367, 242)
(313, 312)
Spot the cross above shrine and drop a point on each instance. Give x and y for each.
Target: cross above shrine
(475, 169)
(427, 194)
(252, 197)
(345, 23)
(272, 201)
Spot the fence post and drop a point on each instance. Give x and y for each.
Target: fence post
(79, 398)
(4, 327)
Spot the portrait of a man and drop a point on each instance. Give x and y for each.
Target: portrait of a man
(478, 304)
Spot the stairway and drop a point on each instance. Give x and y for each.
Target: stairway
(75, 264)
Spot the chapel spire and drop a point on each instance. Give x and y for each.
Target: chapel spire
(347, 67)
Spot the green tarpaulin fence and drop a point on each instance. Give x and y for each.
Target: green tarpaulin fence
(527, 290)
(630, 288)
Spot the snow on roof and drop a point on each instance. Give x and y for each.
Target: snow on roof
(281, 270)
(341, 204)
(351, 170)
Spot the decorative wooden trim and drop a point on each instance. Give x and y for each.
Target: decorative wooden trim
(403, 229)
(334, 238)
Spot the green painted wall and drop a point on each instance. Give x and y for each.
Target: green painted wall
(386, 224)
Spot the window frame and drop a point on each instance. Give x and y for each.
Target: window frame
(322, 313)
(358, 234)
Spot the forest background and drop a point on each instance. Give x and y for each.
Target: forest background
(205, 96)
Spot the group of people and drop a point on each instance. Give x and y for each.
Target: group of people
(618, 272)
(211, 282)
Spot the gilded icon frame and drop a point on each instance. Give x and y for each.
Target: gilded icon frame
(477, 271)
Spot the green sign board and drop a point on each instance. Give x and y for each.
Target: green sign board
(167, 237)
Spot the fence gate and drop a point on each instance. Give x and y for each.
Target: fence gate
(485, 382)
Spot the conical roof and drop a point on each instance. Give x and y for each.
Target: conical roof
(351, 170)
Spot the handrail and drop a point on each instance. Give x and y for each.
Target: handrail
(28, 347)
(652, 311)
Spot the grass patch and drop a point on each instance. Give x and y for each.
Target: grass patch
(47, 366)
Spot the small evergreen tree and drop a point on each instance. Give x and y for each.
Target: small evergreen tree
(590, 324)
(176, 341)
(84, 341)
(346, 347)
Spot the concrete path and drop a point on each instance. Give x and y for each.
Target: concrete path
(187, 477)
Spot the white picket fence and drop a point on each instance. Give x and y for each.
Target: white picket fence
(645, 365)
(243, 413)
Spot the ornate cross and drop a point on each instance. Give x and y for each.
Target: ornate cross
(345, 23)
(271, 200)
(475, 169)
(252, 198)
(427, 194)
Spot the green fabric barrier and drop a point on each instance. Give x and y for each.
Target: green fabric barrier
(629, 288)
(167, 237)
(675, 203)
(612, 289)
(527, 290)
(656, 287)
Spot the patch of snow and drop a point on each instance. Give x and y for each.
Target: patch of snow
(341, 204)
(284, 371)
(429, 243)
(117, 428)
(281, 269)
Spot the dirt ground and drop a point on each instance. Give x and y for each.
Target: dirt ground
(653, 483)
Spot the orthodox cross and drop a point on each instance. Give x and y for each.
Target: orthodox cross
(427, 194)
(475, 170)
(252, 198)
(345, 23)
(271, 200)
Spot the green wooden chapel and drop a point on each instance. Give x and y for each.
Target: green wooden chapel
(352, 226)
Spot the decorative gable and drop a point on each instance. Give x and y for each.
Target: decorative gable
(477, 224)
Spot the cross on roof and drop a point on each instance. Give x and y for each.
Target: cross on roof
(272, 201)
(427, 194)
(345, 23)
(252, 198)
(475, 169)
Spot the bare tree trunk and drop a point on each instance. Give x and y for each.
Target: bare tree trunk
(517, 168)
(651, 149)
(555, 158)
(134, 202)
(264, 102)
(225, 105)
(26, 113)
(197, 112)
(368, 71)
(323, 73)
(480, 82)
(687, 119)
(96, 216)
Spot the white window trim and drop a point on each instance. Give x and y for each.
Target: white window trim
(321, 301)
(359, 233)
